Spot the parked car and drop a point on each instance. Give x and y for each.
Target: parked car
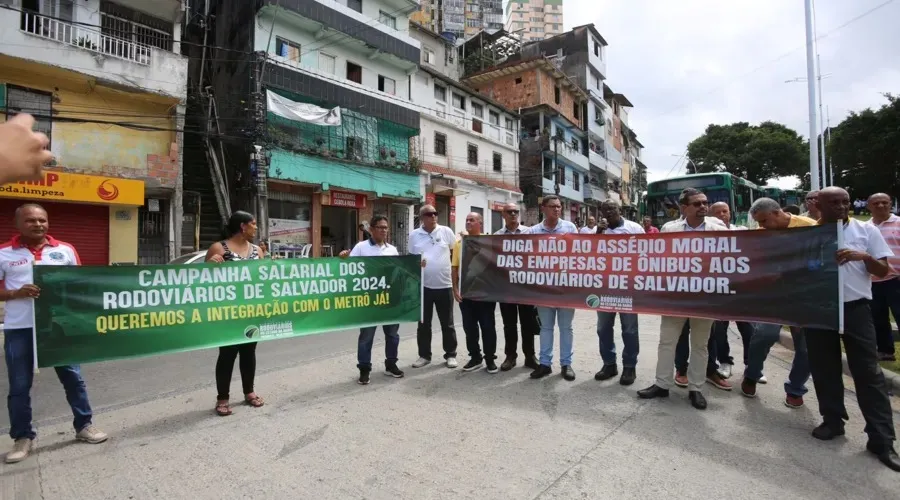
(190, 258)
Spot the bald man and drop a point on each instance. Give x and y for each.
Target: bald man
(886, 290)
(475, 313)
(863, 253)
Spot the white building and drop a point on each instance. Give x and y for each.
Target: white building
(468, 143)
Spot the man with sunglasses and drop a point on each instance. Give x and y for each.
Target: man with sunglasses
(812, 210)
(694, 207)
(434, 243)
(551, 206)
(525, 314)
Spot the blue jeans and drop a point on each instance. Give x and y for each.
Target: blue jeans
(367, 338)
(549, 317)
(19, 349)
(629, 322)
(764, 337)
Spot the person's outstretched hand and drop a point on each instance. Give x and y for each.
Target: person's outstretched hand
(22, 153)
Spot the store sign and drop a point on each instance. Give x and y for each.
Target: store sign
(344, 199)
(63, 186)
(497, 206)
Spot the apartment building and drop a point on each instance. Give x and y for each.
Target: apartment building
(553, 156)
(106, 82)
(460, 19)
(324, 103)
(468, 145)
(534, 20)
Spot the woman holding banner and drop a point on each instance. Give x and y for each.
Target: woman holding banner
(237, 246)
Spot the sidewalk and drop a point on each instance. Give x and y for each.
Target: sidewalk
(448, 434)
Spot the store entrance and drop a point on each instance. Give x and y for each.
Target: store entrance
(339, 229)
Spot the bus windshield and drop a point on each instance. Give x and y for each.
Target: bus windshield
(663, 208)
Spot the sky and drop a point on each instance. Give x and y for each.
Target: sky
(687, 63)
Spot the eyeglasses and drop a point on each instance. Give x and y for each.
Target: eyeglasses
(430, 214)
(381, 227)
(698, 204)
(512, 212)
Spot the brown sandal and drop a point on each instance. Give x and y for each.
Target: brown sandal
(255, 401)
(222, 408)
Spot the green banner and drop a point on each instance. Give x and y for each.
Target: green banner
(87, 314)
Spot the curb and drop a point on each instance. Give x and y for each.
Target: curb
(892, 379)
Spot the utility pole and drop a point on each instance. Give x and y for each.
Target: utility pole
(811, 94)
(821, 115)
(556, 163)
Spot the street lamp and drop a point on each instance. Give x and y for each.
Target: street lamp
(811, 94)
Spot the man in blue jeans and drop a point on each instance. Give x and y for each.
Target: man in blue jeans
(551, 206)
(376, 246)
(34, 247)
(769, 215)
(616, 224)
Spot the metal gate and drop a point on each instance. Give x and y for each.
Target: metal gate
(399, 231)
(153, 232)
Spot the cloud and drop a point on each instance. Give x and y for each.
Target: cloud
(688, 63)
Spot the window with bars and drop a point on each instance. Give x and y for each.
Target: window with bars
(498, 162)
(440, 144)
(287, 49)
(472, 154)
(34, 102)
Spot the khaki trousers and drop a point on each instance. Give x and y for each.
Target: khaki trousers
(669, 332)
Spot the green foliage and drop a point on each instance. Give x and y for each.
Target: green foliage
(756, 152)
(865, 151)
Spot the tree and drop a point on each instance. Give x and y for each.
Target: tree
(865, 151)
(755, 152)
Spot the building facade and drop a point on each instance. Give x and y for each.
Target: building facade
(468, 144)
(106, 82)
(460, 19)
(534, 20)
(552, 142)
(310, 181)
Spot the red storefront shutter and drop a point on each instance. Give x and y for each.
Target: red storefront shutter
(86, 227)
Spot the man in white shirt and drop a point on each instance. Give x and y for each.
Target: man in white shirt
(376, 246)
(591, 227)
(34, 247)
(553, 224)
(695, 208)
(617, 224)
(863, 252)
(523, 313)
(434, 243)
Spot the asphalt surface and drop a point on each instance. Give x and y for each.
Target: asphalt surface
(437, 433)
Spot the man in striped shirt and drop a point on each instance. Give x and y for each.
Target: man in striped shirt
(886, 290)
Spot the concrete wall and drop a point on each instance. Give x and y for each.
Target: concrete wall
(123, 234)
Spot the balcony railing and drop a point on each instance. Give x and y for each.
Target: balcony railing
(85, 38)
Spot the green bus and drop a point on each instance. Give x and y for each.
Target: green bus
(786, 197)
(662, 196)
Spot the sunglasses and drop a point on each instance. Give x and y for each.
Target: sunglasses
(512, 212)
(430, 214)
(698, 204)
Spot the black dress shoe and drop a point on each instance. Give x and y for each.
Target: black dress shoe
(654, 391)
(568, 373)
(607, 372)
(827, 432)
(697, 400)
(629, 375)
(886, 455)
(532, 363)
(541, 371)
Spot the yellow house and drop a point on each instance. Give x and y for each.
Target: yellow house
(112, 109)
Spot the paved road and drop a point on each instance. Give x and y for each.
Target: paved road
(435, 434)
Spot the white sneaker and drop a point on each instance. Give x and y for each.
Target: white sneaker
(763, 380)
(21, 450)
(421, 362)
(452, 363)
(725, 370)
(92, 435)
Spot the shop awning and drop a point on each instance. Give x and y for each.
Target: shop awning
(328, 174)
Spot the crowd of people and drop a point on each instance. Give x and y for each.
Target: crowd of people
(691, 351)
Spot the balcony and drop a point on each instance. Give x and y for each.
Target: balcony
(595, 193)
(567, 153)
(38, 38)
(596, 159)
(597, 128)
(564, 190)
